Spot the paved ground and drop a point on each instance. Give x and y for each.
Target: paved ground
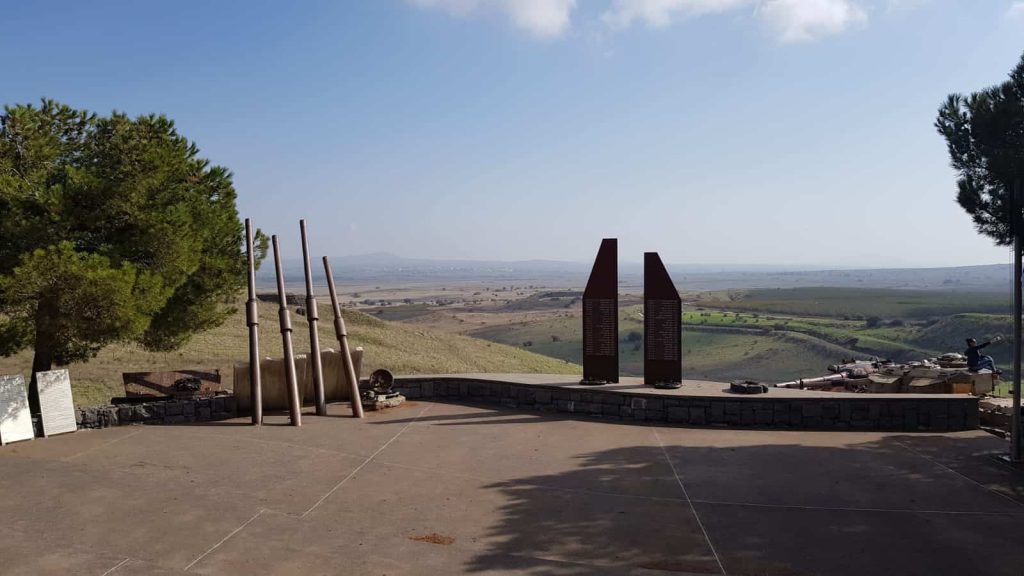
(445, 489)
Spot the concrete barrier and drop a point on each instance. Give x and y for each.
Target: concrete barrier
(275, 390)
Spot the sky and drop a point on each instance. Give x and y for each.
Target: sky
(770, 132)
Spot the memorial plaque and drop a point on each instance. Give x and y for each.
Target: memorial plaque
(601, 317)
(663, 325)
(56, 405)
(15, 418)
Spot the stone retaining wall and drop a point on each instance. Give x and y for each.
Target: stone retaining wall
(916, 413)
(158, 412)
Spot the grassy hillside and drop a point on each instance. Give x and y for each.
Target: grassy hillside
(949, 333)
(709, 352)
(400, 348)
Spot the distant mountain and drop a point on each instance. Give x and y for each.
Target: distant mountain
(385, 267)
(388, 268)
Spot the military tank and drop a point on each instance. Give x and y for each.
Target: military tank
(944, 374)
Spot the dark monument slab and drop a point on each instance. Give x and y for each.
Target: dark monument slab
(175, 384)
(663, 326)
(601, 317)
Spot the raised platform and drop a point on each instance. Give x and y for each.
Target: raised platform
(703, 403)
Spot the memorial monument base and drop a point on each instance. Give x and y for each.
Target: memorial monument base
(667, 385)
(593, 382)
(701, 403)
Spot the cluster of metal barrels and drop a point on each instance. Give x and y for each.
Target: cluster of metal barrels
(284, 318)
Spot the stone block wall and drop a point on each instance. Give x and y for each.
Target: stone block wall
(916, 413)
(158, 412)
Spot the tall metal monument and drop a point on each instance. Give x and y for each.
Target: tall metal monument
(285, 319)
(342, 333)
(252, 320)
(663, 326)
(601, 317)
(312, 316)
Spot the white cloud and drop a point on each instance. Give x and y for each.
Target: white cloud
(542, 18)
(1016, 10)
(804, 20)
(905, 5)
(660, 13)
(790, 20)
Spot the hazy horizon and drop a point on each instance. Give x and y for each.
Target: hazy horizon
(716, 132)
(637, 262)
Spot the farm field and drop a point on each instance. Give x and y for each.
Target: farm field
(859, 303)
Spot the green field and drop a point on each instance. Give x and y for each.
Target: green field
(858, 303)
(891, 341)
(400, 348)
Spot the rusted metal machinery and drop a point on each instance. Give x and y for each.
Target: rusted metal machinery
(312, 316)
(294, 400)
(342, 333)
(253, 322)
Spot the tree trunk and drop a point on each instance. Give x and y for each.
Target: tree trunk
(46, 335)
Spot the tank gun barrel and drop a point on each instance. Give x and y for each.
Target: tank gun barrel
(804, 382)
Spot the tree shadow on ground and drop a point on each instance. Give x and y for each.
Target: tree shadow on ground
(901, 504)
(479, 418)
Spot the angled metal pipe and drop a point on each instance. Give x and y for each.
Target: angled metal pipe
(253, 322)
(312, 316)
(346, 354)
(294, 400)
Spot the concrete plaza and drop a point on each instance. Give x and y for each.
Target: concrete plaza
(434, 488)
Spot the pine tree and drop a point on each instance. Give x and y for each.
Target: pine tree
(112, 229)
(984, 133)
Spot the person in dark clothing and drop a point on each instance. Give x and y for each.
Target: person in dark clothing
(976, 361)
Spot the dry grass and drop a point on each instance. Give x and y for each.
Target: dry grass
(400, 348)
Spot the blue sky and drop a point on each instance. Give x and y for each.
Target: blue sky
(713, 131)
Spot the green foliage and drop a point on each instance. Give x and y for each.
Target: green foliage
(112, 229)
(984, 133)
(81, 300)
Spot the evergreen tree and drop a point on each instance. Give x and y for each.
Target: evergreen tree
(112, 229)
(984, 133)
